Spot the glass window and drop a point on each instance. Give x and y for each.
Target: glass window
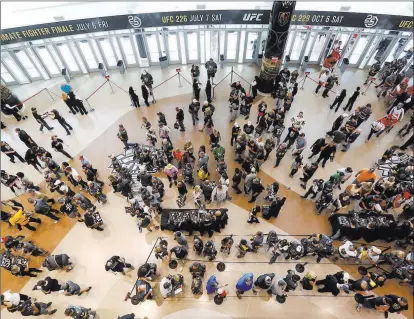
(108, 51)
(403, 50)
(47, 60)
(95, 50)
(202, 47)
(300, 39)
(88, 54)
(212, 45)
(162, 45)
(14, 67)
(5, 75)
(173, 47)
(117, 50)
(99, 34)
(192, 42)
(67, 56)
(56, 57)
(153, 47)
(26, 63)
(128, 50)
(263, 41)
(359, 48)
(57, 39)
(310, 42)
(182, 45)
(231, 45)
(391, 55)
(37, 64)
(318, 47)
(222, 38)
(241, 45)
(252, 46)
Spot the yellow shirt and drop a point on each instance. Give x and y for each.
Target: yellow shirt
(19, 218)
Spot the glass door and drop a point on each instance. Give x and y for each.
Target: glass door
(153, 48)
(318, 47)
(231, 46)
(359, 48)
(27, 64)
(14, 68)
(88, 55)
(47, 60)
(6, 76)
(212, 45)
(252, 46)
(299, 42)
(193, 46)
(173, 48)
(369, 53)
(68, 58)
(107, 52)
(127, 50)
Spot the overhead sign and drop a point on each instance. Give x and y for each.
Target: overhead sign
(202, 17)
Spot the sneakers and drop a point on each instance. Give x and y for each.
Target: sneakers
(358, 307)
(52, 312)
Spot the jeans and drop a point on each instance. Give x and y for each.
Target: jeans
(11, 156)
(181, 123)
(65, 153)
(43, 124)
(372, 132)
(65, 125)
(50, 215)
(127, 145)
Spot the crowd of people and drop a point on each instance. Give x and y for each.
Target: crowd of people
(187, 168)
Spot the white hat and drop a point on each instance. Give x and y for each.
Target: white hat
(253, 170)
(195, 101)
(346, 276)
(236, 124)
(376, 250)
(249, 122)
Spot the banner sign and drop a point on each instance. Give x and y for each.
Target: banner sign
(201, 17)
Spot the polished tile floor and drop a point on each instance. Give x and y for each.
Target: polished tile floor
(95, 137)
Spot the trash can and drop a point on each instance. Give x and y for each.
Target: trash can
(221, 60)
(259, 60)
(344, 65)
(121, 66)
(102, 69)
(287, 60)
(305, 63)
(163, 62)
(66, 75)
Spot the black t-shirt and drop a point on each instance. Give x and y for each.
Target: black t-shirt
(394, 304)
(51, 285)
(6, 148)
(355, 95)
(306, 283)
(260, 281)
(248, 129)
(68, 207)
(180, 251)
(57, 144)
(376, 302)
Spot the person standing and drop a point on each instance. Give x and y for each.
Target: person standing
(40, 119)
(134, 97)
(123, 136)
(340, 96)
(317, 146)
(10, 152)
(21, 218)
(245, 283)
(196, 90)
(70, 103)
(254, 86)
(257, 188)
(327, 152)
(31, 159)
(145, 94)
(172, 172)
(322, 79)
(42, 207)
(211, 67)
(54, 114)
(57, 145)
(195, 73)
(180, 118)
(193, 109)
(280, 153)
(208, 91)
(308, 172)
(352, 99)
(25, 138)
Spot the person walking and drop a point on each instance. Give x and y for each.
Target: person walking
(340, 96)
(145, 94)
(257, 188)
(123, 136)
(196, 90)
(40, 119)
(31, 159)
(172, 172)
(193, 109)
(10, 152)
(25, 138)
(20, 218)
(352, 99)
(280, 153)
(42, 207)
(322, 79)
(327, 152)
(254, 86)
(180, 118)
(57, 145)
(55, 115)
(134, 97)
(308, 172)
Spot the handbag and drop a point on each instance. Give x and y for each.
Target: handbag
(176, 125)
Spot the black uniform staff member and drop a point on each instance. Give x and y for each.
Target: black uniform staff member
(263, 282)
(31, 159)
(40, 120)
(48, 285)
(57, 145)
(327, 152)
(180, 252)
(117, 264)
(180, 118)
(55, 115)
(148, 81)
(25, 138)
(10, 152)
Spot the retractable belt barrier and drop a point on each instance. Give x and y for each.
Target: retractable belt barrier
(231, 80)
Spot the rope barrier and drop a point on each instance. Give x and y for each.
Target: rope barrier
(97, 90)
(221, 80)
(323, 85)
(118, 86)
(21, 103)
(270, 297)
(241, 77)
(186, 79)
(164, 81)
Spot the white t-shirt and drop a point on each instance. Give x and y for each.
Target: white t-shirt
(323, 78)
(397, 113)
(373, 257)
(220, 194)
(12, 297)
(344, 250)
(164, 292)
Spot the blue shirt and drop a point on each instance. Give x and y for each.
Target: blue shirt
(242, 285)
(66, 88)
(212, 285)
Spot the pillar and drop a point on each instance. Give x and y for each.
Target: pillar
(279, 24)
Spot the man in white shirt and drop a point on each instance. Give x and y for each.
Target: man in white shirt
(373, 254)
(347, 250)
(397, 112)
(278, 288)
(322, 80)
(164, 132)
(166, 287)
(12, 299)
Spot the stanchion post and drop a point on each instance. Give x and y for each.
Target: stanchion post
(50, 94)
(90, 108)
(369, 84)
(231, 76)
(304, 80)
(112, 89)
(179, 79)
